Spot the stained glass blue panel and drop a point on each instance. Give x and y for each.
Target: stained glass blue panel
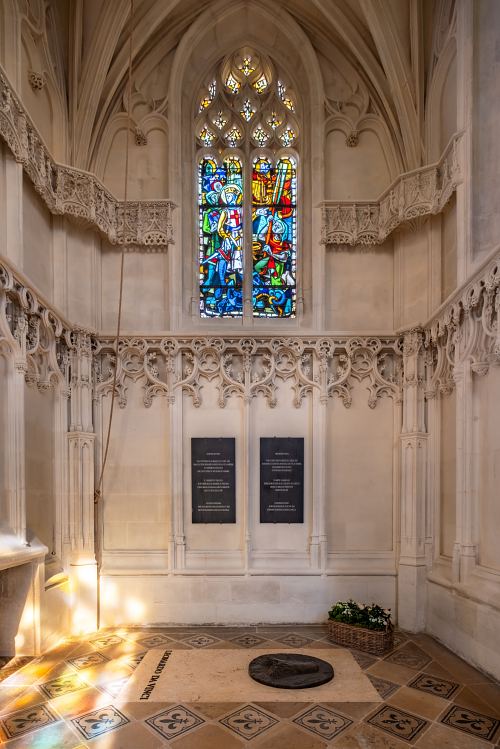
(221, 238)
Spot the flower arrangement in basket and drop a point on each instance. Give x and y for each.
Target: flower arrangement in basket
(356, 625)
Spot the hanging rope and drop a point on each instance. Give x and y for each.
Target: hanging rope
(98, 488)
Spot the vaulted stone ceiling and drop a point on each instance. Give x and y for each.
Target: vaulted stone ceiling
(387, 44)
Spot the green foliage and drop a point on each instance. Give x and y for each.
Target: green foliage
(360, 615)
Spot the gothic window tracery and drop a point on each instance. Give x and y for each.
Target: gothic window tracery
(246, 128)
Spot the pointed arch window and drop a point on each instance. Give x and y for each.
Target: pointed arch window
(246, 134)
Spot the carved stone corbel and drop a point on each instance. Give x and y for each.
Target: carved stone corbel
(36, 80)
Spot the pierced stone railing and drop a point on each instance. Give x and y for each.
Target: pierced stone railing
(74, 192)
(421, 192)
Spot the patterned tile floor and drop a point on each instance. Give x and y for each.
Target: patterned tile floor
(67, 699)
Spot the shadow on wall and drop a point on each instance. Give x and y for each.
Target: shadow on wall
(14, 590)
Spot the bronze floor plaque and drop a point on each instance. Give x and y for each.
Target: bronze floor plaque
(290, 671)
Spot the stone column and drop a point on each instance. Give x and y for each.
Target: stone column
(433, 460)
(465, 548)
(80, 515)
(412, 559)
(177, 549)
(60, 466)
(319, 542)
(16, 458)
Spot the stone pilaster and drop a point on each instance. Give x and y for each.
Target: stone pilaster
(16, 462)
(465, 548)
(412, 559)
(318, 550)
(80, 511)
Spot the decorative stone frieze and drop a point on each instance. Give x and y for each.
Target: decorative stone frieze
(38, 339)
(250, 367)
(73, 192)
(422, 192)
(465, 328)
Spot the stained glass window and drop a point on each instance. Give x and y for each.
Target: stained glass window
(247, 123)
(220, 217)
(274, 237)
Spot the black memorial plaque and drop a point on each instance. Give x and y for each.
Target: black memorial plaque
(213, 480)
(282, 480)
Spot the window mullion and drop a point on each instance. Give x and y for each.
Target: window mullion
(247, 231)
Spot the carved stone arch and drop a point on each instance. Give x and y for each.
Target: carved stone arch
(9, 36)
(379, 127)
(144, 160)
(335, 28)
(115, 89)
(95, 66)
(9, 346)
(274, 33)
(40, 89)
(5, 349)
(440, 78)
(352, 145)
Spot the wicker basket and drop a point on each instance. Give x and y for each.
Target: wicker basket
(373, 641)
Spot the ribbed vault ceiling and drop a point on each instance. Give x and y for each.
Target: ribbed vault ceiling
(385, 42)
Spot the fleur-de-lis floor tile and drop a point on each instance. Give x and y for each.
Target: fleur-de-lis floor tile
(293, 641)
(323, 722)
(134, 660)
(363, 659)
(11, 665)
(87, 660)
(399, 638)
(249, 721)
(24, 721)
(99, 721)
(201, 641)
(384, 688)
(434, 685)
(472, 722)
(409, 655)
(398, 723)
(106, 641)
(154, 641)
(247, 641)
(175, 721)
(62, 685)
(115, 687)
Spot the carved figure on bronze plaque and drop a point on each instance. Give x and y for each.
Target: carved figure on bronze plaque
(290, 670)
(281, 479)
(213, 483)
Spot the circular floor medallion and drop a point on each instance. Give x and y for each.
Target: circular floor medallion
(290, 670)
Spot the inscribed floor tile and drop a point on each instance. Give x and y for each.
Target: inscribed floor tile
(203, 675)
